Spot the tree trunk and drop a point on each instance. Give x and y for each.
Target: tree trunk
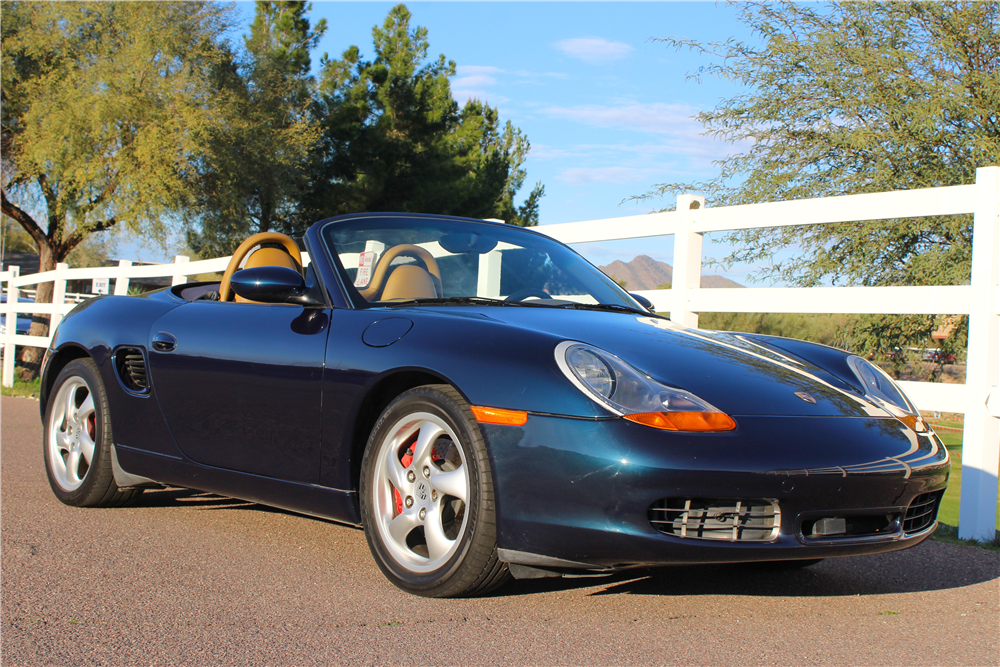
(266, 209)
(30, 358)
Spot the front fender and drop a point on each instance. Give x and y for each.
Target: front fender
(96, 328)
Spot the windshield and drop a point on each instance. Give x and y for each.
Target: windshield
(387, 260)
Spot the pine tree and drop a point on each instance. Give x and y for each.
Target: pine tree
(396, 140)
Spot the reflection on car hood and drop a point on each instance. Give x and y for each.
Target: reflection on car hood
(737, 376)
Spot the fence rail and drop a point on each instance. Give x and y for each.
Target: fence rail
(978, 399)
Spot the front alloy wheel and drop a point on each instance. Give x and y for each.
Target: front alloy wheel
(77, 440)
(427, 496)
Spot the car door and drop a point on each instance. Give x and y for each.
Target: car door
(240, 385)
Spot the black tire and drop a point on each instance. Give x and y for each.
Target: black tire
(77, 421)
(438, 545)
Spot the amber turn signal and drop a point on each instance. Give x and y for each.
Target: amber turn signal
(684, 421)
(499, 416)
(914, 422)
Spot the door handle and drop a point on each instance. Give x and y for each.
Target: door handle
(164, 342)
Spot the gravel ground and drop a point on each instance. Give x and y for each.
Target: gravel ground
(186, 578)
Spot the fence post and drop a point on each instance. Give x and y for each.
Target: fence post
(687, 259)
(121, 280)
(58, 297)
(981, 440)
(9, 351)
(179, 260)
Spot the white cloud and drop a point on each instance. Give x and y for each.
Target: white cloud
(658, 117)
(472, 70)
(546, 152)
(594, 49)
(525, 74)
(473, 80)
(614, 174)
(478, 81)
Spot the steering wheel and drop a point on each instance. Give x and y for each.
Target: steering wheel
(225, 291)
(522, 294)
(381, 272)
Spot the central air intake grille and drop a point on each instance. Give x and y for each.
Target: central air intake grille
(132, 369)
(727, 519)
(922, 512)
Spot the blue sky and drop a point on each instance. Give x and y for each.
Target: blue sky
(608, 112)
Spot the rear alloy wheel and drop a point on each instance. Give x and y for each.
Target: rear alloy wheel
(77, 440)
(427, 497)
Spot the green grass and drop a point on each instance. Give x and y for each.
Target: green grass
(23, 389)
(949, 535)
(944, 421)
(948, 512)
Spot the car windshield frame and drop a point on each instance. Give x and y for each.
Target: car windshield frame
(572, 281)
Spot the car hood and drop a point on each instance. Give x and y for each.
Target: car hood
(735, 375)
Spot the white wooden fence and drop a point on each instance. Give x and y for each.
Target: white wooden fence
(978, 399)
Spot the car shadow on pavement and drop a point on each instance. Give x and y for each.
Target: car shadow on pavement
(930, 566)
(179, 497)
(191, 499)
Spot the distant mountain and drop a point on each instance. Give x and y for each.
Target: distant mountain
(645, 273)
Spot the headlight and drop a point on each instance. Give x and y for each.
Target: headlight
(632, 394)
(883, 391)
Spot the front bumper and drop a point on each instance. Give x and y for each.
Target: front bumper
(577, 493)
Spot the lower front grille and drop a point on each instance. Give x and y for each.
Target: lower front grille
(922, 512)
(726, 519)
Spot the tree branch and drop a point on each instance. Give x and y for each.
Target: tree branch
(18, 214)
(77, 237)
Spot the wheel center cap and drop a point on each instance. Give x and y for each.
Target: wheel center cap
(423, 491)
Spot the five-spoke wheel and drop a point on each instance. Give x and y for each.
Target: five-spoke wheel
(73, 427)
(427, 496)
(421, 491)
(77, 440)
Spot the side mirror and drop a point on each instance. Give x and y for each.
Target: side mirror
(268, 284)
(643, 301)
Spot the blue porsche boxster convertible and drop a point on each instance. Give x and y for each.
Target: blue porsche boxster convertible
(486, 404)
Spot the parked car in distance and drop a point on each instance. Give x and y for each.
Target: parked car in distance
(22, 321)
(939, 356)
(485, 403)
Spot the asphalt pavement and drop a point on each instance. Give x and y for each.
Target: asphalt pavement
(187, 578)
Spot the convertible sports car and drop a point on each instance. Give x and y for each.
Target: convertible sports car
(486, 404)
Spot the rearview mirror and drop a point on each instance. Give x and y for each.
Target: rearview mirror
(268, 284)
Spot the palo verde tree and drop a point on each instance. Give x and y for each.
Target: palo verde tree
(257, 167)
(105, 108)
(396, 140)
(852, 97)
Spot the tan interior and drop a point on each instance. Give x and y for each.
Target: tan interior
(413, 281)
(268, 257)
(409, 281)
(225, 288)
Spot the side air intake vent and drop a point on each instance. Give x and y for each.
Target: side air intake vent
(131, 365)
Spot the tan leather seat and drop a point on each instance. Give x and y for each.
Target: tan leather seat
(409, 281)
(268, 257)
(404, 281)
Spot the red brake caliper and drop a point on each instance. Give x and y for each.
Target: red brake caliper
(406, 461)
(92, 426)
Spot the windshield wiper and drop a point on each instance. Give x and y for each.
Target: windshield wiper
(452, 301)
(612, 307)
(487, 301)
